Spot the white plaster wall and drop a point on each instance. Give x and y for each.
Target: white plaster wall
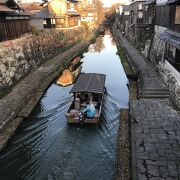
(159, 29)
(37, 23)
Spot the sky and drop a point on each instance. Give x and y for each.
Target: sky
(107, 3)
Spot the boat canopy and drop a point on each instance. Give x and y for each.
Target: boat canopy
(89, 82)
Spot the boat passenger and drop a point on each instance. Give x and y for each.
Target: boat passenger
(88, 112)
(83, 97)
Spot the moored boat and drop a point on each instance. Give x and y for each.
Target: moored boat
(88, 85)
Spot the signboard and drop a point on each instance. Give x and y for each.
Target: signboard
(140, 6)
(161, 2)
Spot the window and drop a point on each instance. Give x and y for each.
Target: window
(171, 51)
(173, 56)
(72, 6)
(177, 17)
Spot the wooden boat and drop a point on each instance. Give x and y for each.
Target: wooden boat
(87, 85)
(69, 75)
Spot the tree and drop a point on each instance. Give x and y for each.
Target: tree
(99, 10)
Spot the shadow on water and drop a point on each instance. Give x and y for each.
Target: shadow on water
(46, 147)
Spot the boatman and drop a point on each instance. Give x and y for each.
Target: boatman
(88, 112)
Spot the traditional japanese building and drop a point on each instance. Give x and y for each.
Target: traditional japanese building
(62, 13)
(124, 20)
(34, 9)
(171, 35)
(14, 22)
(166, 42)
(137, 27)
(165, 47)
(87, 10)
(150, 16)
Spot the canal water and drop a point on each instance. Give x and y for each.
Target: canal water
(45, 147)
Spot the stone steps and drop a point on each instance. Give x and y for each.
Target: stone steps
(154, 93)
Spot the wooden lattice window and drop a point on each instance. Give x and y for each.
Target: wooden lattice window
(177, 17)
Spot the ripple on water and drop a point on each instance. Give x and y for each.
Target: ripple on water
(46, 147)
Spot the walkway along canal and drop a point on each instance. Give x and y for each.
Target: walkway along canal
(46, 147)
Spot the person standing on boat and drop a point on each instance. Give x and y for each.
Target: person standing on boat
(88, 112)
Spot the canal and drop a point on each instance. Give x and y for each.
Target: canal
(46, 147)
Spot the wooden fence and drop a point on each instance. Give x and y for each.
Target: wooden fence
(13, 28)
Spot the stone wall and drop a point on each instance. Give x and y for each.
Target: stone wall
(156, 53)
(169, 74)
(18, 57)
(172, 78)
(146, 48)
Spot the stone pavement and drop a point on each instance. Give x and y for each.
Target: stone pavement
(155, 140)
(155, 126)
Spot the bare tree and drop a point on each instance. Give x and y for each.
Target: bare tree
(99, 10)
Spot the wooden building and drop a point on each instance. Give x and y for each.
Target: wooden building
(171, 35)
(62, 13)
(124, 19)
(137, 27)
(150, 16)
(88, 11)
(13, 21)
(36, 20)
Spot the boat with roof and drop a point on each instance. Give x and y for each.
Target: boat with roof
(88, 88)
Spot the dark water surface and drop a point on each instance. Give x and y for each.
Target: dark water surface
(46, 147)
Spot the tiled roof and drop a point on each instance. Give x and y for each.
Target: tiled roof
(34, 6)
(5, 9)
(73, 1)
(172, 1)
(148, 2)
(125, 7)
(89, 82)
(171, 37)
(3, 1)
(70, 13)
(44, 14)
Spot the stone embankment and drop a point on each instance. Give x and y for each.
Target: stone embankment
(169, 74)
(18, 57)
(172, 79)
(154, 125)
(18, 104)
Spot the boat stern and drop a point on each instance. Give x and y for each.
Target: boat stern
(73, 116)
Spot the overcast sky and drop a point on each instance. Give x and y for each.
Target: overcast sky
(107, 3)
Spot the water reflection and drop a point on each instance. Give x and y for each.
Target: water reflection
(45, 147)
(99, 45)
(69, 75)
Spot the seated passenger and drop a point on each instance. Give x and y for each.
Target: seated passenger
(82, 97)
(85, 98)
(88, 112)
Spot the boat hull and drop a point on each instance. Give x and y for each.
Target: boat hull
(75, 119)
